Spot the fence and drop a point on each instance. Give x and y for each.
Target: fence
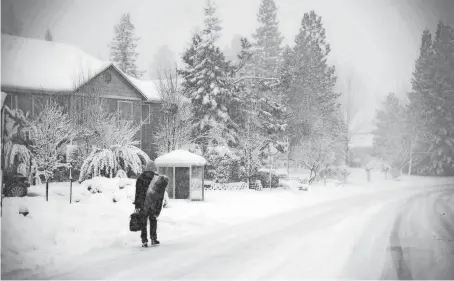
(226, 186)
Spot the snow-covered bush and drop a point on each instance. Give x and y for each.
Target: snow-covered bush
(334, 172)
(106, 162)
(223, 164)
(51, 130)
(264, 177)
(16, 153)
(115, 150)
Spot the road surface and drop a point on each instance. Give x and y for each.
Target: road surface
(407, 233)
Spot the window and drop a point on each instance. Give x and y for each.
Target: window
(107, 77)
(125, 110)
(146, 113)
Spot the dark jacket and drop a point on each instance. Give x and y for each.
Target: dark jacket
(142, 183)
(155, 195)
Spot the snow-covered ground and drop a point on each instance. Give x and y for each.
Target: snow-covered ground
(56, 232)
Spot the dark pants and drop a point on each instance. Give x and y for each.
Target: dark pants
(153, 227)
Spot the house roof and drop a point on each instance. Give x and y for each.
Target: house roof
(33, 64)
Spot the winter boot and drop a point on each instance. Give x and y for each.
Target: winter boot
(155, 242)
(144, 244)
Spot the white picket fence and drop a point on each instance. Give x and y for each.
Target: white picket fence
(225, 186)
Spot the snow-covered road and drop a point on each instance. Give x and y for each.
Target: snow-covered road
(390, 234)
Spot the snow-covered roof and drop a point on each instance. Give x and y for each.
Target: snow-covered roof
(180, 158)
(41, 65)
(56, 67)
(148, 88)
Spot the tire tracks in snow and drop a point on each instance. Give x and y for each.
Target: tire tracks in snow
(414, 254)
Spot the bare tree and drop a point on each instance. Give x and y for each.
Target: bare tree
(175, 130)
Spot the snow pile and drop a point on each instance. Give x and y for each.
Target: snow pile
(114, 189)
(179, 158)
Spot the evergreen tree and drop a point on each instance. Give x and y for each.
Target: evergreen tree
(308, 79)
(431, 105)
(315, 125)
(49, 36)
(207, 84)
(416, 110)
(268, 39)
(123, 47)
(441, 102)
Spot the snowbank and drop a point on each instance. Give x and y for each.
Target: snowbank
(180, 158)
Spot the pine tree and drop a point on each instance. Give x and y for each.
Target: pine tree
(123, 47)
(315, 125)
(49, 36)
(309, 80)
(207, 84)
(268, 39)
(416, 110)
(431, 105)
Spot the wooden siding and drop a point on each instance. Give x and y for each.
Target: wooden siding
(117, 88)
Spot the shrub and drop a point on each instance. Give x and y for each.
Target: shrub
(264, 178)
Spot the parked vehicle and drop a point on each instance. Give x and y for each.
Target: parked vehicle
(15, 185)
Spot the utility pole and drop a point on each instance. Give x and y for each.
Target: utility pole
(270, 161)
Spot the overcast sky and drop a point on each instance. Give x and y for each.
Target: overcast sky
(375, 41)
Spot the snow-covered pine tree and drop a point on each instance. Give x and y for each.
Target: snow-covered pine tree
(123, 47)
(309, 80)
(207, 84)
(257, 111)
(436, 93)
(48, 36)
(51, 130)
(267, 41)
(308, 83)
(417, 111)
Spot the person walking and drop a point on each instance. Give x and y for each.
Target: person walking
(143, 182)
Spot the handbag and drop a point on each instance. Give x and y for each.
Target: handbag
(135, 223)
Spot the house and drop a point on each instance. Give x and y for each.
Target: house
(33, 71)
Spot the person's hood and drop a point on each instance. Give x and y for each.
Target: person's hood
(149, 174)
(151, 166)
